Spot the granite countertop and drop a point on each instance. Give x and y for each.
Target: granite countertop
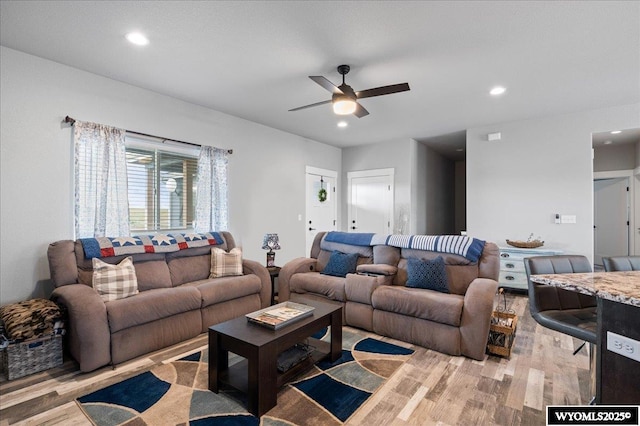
(623, 287)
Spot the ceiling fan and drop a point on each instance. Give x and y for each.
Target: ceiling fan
(344, 98)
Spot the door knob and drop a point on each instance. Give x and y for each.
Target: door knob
(312, 229)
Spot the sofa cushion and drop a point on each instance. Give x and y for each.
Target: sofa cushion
(153, 274)
(416, 302)
(216, 290)
(113, 282)
(188, 269)
(340, 264)
(429, 274)
(150, 306)
(225, 264)
(313, 282)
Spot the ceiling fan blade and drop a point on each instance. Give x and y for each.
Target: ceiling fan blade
(326, 84)
(360, 111)
(311, 105)
(384, 90)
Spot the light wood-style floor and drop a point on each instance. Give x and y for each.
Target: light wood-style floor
(431, 388)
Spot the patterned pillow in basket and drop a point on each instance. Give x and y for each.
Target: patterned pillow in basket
(225, 264)
(113, 282)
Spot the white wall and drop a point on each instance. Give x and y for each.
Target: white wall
(395, 154)
(539, 168)
(266, 170)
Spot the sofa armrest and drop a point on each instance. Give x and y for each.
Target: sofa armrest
(295, 266)
(476, 317)
(359, 287)
(253, 267)
(88, 333)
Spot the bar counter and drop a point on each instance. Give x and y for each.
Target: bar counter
(618, 298)
(622, 287)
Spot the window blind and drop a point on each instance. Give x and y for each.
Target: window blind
(161, 185)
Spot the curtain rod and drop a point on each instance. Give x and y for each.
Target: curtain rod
(72, 121)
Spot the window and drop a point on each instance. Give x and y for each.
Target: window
(161, 185)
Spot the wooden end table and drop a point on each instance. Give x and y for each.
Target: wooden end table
(274, 271)
(258, 375)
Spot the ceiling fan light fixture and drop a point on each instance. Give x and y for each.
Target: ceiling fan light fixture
(344, 105)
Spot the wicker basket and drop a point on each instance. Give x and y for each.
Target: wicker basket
(28, 357)
(526, 244)
(501, 336)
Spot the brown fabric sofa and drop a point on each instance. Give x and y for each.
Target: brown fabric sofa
(376, 298)
(177, 301)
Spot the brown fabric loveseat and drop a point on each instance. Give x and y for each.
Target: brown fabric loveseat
(376, 298)
(177, 301)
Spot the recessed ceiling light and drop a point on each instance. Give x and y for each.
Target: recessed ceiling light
(608, 142)
(342, 124)
(138, 39)
(615, 132)
(498, 90)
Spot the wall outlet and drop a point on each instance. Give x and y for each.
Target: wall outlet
(623, 345)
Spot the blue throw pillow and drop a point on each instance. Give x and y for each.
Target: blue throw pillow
(340, 264)
(429, 274)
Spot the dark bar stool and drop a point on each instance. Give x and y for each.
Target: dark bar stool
(568, 312)
(621, 263)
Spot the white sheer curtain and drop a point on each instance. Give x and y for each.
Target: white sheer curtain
(211, 195)
(101, 199)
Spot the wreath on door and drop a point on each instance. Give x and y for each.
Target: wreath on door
(322, 193)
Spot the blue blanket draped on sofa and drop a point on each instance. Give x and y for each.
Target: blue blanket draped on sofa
(470, 248)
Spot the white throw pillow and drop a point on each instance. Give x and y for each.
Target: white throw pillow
(113, 282)
(225, 264)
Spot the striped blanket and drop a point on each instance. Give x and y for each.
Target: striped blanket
(470, 248)
(159, 243)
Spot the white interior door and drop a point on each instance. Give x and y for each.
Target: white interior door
(611, 218)
(321, 209)
(371, 201)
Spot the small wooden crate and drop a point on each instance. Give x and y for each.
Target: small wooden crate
(501, 336)
(28, 357)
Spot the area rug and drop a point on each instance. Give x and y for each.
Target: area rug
(176, 393)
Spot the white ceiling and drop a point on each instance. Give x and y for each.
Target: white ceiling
(252, 59)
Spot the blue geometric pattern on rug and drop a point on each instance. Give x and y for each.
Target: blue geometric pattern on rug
(195, 357)
(138, 393)
(247, 420)
(180, 389)
(345, 357)
(380, 347)
(339, 399)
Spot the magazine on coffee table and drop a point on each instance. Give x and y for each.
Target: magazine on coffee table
(280, 315)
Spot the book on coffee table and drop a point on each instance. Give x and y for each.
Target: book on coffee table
(280, 315)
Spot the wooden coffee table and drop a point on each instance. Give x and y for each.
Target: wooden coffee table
(258, 375)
